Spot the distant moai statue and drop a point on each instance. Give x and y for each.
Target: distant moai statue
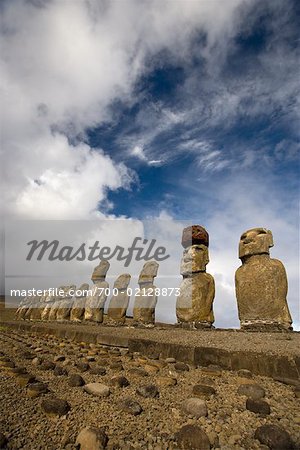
(32, 310)
(261, 284)
(65, 305)
(49, 302)
(194, 306)
(146, 298)
(119, 301)
(56, 303)
(94, 305)
(24, 306)
(78, 306)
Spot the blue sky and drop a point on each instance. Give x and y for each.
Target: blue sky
(184, 109)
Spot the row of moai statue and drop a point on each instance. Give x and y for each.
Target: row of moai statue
(261, 290)
(87, 304)
(260, 282)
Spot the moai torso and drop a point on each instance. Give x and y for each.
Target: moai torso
(94, 305)
(194, 306)
(65, 305)
(119, 301)
(261, 284)
(146, 298)
(77, 311)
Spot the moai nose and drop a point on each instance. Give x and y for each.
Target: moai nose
(247, 240)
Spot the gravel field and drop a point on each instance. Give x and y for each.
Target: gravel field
(225, 414)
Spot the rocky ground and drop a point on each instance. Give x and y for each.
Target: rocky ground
(136, 403)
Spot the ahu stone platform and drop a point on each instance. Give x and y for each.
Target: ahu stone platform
(275, 355)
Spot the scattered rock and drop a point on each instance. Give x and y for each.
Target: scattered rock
(251, 390)
(150, 368)
(244, 373)
(36, 389)
(47, 365)
(59, 358)
(148, 391)
(297, 391)
(274, 437)
(258, 406)
(192, 437)
(82, 366)
(23, 379)
(201, 390)
(98, 370)
(36, 361)
(138, 372)
(91, 438)
(166, 381)
(97, 389)
(55, 406)
(59, 371)
(170, 360)
(119, 381)
(76, 380)
(195, 407)
(181, 367)
(131, 406)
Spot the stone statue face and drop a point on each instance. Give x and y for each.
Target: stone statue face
(149, 272)
(255, 242)
(100, 271)
(195, 258)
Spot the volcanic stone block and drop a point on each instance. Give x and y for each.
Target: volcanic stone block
(261, 284)
(194, 235)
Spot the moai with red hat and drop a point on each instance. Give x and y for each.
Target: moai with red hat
(194, 306)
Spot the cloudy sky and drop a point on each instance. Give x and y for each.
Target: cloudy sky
(182, 110)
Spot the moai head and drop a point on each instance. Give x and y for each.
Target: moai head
(194, 235)
(256, 241)
(122, 282)
(100, 271)
(149, 272)
(195, 258)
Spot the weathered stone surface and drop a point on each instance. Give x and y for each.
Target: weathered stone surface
(23, 379)
(201, 390)
(36, 389)
(194, 260)
(100, 272)
(181, 366)
(195, 407)
(119, 381)
(276, 438)
(55, 406)
(166, 381)
(194, 235)
(261, 284)
(77, 311)
(65, 305)
(76, 380)
(194, 304)
(148, 272)
(148, 391)
(253, 391)
(91, 438)
(98, 370)
(94, 305)
(119, 301)
(131, 407)
(192, 437)
(97, 389)
(60, 371)
(258, 406)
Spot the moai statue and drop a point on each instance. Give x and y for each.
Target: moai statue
(261, 284)
(119, 301)
(37, 308)
(23, 308)
(32, 310)
(49, 301)
(146, 298)
(194, 306)
(77, 311)
(94, 305)
(65, 305)
(56, 304)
